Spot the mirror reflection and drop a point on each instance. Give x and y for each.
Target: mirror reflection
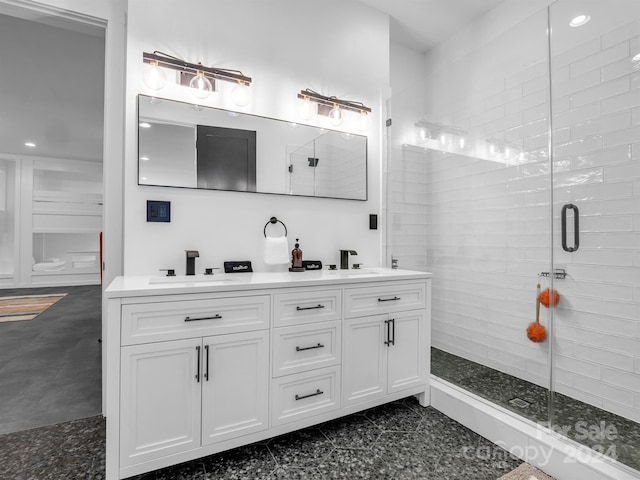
(183, 145)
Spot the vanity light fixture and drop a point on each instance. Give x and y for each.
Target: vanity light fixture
(195, 75)
(331, 107)
(445, 134)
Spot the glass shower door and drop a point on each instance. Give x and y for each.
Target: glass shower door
(595, 73)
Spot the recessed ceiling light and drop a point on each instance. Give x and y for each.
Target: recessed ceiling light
(144, 159)
(636, 58)
(29, 144)
(579, 20)
(144, 125)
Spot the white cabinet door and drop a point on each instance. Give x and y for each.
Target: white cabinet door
(160, 400)
(235, 385)
(364, 359)
(406, 365)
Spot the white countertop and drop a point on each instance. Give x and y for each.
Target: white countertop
(133, 286)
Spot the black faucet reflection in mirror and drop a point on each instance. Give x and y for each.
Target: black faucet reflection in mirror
(344, 258)
(191, 261)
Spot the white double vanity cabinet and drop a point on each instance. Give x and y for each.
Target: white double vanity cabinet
(195, 366)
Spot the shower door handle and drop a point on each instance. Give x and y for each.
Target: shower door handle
(576, 228)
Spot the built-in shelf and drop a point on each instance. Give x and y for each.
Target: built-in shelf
(57, 207)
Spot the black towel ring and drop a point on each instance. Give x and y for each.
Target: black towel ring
(274, 220)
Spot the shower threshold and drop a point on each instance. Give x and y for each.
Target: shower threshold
(602, 431)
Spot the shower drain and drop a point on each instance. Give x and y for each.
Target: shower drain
(518, 402)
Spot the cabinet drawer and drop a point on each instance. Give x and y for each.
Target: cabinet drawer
(307, 306)
(152, 322)
(384, 299)
(305, 347)
(303, 395)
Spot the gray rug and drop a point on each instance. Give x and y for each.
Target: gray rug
(526, 472)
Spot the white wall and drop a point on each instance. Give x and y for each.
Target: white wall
(340, 49)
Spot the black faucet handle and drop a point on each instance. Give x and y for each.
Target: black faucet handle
(170, 271)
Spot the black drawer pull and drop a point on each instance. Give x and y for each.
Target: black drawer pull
(388, 299)
(215, 317)
(310, 308)
(317, 392)
(299, 349)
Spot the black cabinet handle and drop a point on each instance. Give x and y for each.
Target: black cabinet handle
(388, 299)
(215, 317)
(317, 392)
(206, 363)
(388, 324)
(300, 349)
(392, 341)
(576, 228)
(198, 370)
(309, 308)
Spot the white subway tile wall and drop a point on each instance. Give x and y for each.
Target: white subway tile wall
(480, 219)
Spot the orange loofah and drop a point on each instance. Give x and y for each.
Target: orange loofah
(545, 300)
(536, 332)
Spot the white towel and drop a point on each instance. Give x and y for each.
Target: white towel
(276, 250)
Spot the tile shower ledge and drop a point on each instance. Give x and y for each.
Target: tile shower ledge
(130, 286)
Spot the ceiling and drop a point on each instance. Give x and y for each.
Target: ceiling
(423, 24)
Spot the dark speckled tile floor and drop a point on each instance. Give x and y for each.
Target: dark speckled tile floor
(397, 441)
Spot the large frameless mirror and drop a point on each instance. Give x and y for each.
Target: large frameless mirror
(183, 145)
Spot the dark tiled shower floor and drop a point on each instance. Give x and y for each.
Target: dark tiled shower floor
(581, 422)
(400, 440)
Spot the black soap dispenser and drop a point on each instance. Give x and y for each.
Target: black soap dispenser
(296, 258)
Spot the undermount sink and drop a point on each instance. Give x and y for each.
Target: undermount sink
(190, 279)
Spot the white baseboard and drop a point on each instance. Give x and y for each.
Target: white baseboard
(557, 456)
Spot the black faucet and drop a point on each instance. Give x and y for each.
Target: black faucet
(344, 258)
(191, 261)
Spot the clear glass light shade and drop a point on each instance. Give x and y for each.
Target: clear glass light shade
(336, 116)
(307, 109)
(241, 95)
(153, 77)
(363, 122)
(200, 86)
